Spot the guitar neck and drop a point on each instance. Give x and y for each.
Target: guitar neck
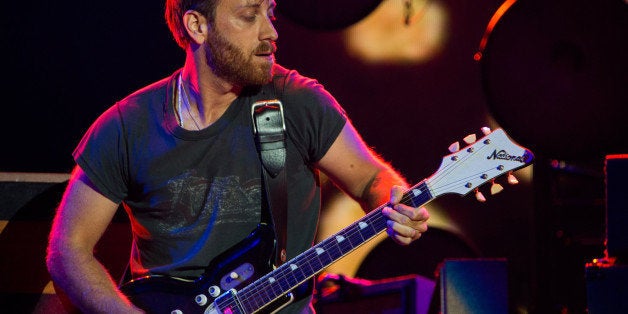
(304, 266)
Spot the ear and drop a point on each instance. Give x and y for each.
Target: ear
(196, 26)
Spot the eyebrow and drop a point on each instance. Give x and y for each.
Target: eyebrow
(271, 4)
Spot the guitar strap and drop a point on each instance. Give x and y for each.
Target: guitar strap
(270, 139)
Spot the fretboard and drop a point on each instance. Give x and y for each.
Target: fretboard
(304, 266)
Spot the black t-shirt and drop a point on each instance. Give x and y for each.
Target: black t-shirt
(191, 195)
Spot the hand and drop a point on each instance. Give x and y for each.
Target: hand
(405, 224)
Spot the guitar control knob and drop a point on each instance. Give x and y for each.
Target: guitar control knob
(201, 299)
(214, 291)
(176, 312)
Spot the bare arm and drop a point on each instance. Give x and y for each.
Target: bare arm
(363, 175)
(81, 220)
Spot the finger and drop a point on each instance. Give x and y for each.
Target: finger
(415, 214)
(402, 231)
(400, 238)
(396, 194)
(394, 215)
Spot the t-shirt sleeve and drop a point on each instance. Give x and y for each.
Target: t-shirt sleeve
(314, 118)
(100, 154)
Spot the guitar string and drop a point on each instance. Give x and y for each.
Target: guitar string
(283, 274)
(437, 178)
(479, 173)
(449, 169)
(455, 166)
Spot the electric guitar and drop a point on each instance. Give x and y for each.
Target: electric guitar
(242, 279)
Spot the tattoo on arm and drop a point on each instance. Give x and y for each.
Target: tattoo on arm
(377, 191)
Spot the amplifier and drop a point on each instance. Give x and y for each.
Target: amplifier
(410, 294)
(606, 288)
(27, 205)
(616, 170)
(474, 286)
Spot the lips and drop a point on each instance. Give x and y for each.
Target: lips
(266, 49)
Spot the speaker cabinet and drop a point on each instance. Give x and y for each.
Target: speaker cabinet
(27, 206)
(474, 286)
(616, 169)
(409, 294)
(606, 288)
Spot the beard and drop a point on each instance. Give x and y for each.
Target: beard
(230, 63)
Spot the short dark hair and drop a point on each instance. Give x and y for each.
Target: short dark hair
(174, 11)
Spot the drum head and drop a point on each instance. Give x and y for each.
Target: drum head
(555, 75)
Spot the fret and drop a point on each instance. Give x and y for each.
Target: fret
(316, 261)
(332, 249)
(354, 236)
(310, 262)
(344, 244)
(418, 195)
(256, 302)
(309, 257)
(299, 271)
(263, 295)
(290, 277)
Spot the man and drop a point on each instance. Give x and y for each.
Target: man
(180, 156)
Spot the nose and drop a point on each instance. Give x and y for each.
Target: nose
(268, 30)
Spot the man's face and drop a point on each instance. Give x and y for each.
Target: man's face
(241, 43)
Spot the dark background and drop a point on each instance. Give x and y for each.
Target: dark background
(553, 74)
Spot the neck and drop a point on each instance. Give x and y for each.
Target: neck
(208, 96)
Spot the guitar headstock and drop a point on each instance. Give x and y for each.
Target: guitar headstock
(466, 169)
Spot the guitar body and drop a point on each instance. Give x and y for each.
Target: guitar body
(235, 268)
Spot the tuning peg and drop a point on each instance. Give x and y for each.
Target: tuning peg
(454, 147)
(496, 188)
(469, 139)
(512, 179)
(479, 196)
(486, 130)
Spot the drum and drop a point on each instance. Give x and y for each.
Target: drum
(555, 75)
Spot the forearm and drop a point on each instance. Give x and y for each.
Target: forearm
(377, 191)
(86, 282)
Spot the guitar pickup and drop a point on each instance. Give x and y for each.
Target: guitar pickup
(237, 276)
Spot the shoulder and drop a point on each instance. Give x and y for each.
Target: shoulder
(140, 105)
(294, 80)
(303, 91)
(154, 93)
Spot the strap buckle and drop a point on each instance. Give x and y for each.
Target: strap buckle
(262, 105)
(269, 129)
